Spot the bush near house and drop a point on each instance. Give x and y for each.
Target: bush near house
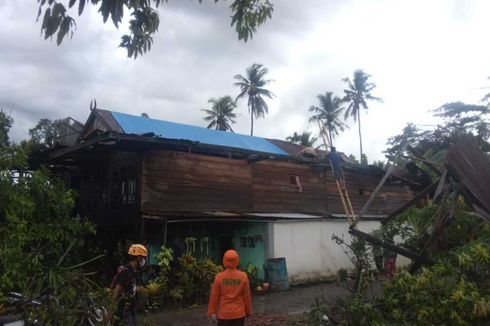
(184, 282)
(453, 291)
(43, 246)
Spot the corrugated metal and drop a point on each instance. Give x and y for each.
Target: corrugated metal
(131, 124)
(472, 168)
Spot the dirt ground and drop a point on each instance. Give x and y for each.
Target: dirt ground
(271, 309)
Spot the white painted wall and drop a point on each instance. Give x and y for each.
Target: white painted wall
(309, 249)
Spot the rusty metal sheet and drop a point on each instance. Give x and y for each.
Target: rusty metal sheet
(469, 164)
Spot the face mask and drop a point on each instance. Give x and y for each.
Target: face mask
(141, 262)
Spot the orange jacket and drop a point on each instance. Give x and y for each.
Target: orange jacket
(230, 292)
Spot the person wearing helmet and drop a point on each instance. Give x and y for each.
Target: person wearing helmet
(230, 300)
(124, 285)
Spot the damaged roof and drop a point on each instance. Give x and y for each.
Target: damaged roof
(136, 125)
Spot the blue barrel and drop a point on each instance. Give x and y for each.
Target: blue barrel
(277, 274)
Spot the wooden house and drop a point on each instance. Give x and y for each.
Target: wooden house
(204, 191)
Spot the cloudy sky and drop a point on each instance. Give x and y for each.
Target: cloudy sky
(421, 54)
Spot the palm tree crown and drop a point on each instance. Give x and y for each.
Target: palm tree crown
(221, 114)
(304, 139)
(253, 86)
(357, 93)
(328, 113)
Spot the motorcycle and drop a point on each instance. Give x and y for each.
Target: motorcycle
(21, 311)
(17, 311)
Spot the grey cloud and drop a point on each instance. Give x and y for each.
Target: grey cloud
(195, 56)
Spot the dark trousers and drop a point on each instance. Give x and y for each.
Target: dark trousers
(231, 322)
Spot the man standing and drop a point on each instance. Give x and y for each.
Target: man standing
(230, 300)
(124, 286)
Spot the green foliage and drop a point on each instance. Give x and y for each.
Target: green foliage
(221, 114)
(328, 113)
(253, 87)
(43, 246)
(252, 274)
(318, 315)
(359, 311)
(360, 255)
(5, 125)
(45, 134)
(42, 242)
(247, 16)
(415, 225)
(453, 291)
(303, 139)
(357, 94)
(185, 282)
(458, 119)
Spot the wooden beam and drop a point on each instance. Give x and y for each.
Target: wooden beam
(85, 144)
(392, 247)
(400, 210)
(440, 186)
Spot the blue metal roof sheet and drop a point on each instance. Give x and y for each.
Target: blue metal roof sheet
(131, 124)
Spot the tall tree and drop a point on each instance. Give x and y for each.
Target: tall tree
(252, 85)
(5, 125)
(458, 119)
(357, 94)
(46, 133)
(304, 139)
(221, 114)
(247, 16)
(328, 113)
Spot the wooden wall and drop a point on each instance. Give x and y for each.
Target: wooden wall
(360, 186)
(274, 192)
(176, 181)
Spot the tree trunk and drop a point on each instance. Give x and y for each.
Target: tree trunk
(252, 120)
(360, 135)
(331, 138)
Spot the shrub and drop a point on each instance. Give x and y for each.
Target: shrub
(185, 283)
(453, 291)
(43, 248)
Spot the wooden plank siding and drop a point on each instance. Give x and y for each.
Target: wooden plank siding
(176, 181)
(360, 187)
(273, 191)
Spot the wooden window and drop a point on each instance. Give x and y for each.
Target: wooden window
(295, 180)
(124, 187)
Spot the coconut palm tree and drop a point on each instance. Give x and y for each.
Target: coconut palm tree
(304, 139)
(328, 113)
(357, 94)
(221, 114)
(252, 85)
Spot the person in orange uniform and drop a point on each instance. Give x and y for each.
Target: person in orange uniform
(230, 300)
